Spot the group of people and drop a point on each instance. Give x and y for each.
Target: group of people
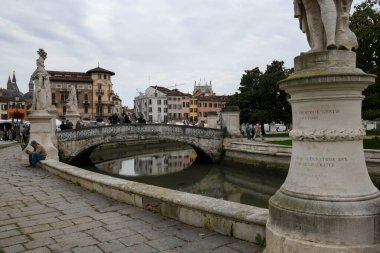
(16, 133)
(126, 119)
(251, 130)
(66, 125)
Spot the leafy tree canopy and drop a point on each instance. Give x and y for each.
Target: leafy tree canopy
(259, 97)
(365, 23)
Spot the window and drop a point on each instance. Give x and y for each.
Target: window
(205, 114)
(159, 101)
(165, 102)
(99, 76)
(215, 105)
(63, 98)
(204, 104)
(191, 109)
(183, 104)
(165, 109)
(99, 99)
(99, 86)
(53, 97)
(159, 109)
(150, 101)
(199, 104)
(150, 118)
(64, 110)
(86, 98)
(86, 109)
(150, 109)
(210, 105)
(105, 77)
(170, 106)
(187, 104)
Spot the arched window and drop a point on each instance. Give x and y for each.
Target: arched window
(99, 98)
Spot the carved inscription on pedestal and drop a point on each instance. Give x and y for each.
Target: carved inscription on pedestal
(315, 114)
(318, 162)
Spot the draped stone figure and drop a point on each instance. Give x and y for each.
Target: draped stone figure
(42, 90)
(326, 24)
(72, 102)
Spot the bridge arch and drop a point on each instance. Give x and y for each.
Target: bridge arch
(75, 143)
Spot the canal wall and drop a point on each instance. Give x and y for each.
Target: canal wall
(225, 217)
(277, 157)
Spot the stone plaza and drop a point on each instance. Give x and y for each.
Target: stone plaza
(41, 212)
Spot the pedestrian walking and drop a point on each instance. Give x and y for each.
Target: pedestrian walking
(258, 131)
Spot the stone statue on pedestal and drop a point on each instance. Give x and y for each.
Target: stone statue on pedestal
(72, 101)
(328, 203)
(326, 24)
(42, 114)
(42, 90)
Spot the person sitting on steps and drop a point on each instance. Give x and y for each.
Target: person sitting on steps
(38, 153)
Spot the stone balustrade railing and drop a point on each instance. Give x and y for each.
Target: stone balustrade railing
(140, 129)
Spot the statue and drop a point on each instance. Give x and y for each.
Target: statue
(40, 79)
(326, 24)
(72, 102)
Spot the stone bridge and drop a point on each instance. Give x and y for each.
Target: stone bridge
(76, 145)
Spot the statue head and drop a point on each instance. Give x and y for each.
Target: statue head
(42, 53)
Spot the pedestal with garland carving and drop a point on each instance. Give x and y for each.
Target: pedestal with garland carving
(328, 202)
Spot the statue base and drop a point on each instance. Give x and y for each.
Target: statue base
(327, 202)
(42, 130)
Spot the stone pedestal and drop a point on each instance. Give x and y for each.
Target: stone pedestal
(212, 120)
(328, 202)
(231, 120)
(42, 130)
(73, 118)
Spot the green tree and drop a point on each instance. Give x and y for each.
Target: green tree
(365, 23)
(259, 97)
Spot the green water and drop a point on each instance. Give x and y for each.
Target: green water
(176, 167)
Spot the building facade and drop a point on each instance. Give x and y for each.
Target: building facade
(96, 98)
(12, 103)
(162, 105)
(152, 105)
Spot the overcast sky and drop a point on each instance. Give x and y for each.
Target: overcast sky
(149, 42)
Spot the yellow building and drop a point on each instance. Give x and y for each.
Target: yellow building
(193, 110)
(94, 92)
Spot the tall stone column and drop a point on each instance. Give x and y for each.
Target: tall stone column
(328, 202)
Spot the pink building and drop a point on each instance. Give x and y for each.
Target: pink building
(210, 104)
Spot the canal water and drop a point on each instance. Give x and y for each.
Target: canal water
(175, 166)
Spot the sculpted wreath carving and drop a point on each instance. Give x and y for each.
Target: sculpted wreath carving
(327, 135)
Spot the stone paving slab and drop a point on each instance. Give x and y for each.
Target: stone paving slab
(40, 212)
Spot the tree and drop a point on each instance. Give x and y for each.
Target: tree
(365, 23)
(259, 97)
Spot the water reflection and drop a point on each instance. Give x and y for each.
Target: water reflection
(178, 170)
(160, 163)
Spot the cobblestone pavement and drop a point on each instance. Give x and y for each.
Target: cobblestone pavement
(40, 212)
